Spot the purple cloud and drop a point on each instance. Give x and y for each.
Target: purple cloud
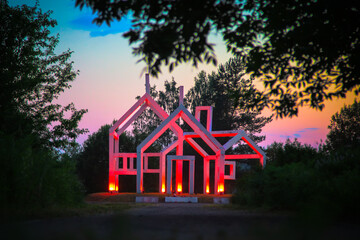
(299, 133)
(285, 136)
(308, 130)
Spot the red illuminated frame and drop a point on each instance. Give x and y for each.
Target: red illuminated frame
(179, 187)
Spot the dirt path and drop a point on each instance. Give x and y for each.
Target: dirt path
(175, 221)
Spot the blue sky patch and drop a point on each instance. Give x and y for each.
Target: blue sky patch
(84, 23)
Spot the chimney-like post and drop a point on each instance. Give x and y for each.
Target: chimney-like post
(181, 95)
(147, 83)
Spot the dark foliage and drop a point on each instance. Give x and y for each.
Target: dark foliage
(318, 185)
(34, 131)
(34, 177)
(280, 154)
(32, 76)
(305, 51)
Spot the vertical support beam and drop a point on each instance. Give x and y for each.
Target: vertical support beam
(219, 172)
(160, 173)
(116, 145)
(206, 179)
(169, 176)
(147, 83)
(263, 161)
(116, 150)
(112, 180)
(131, 163)
(191, 177)
(179, 173)
(125, 166)
(116, 183)
(179, 165)
(146, 162)
(197, 115)
(221, 183)
(162, 176)
(209, 119)
(139, 171)
(216, 177)
(232, 170)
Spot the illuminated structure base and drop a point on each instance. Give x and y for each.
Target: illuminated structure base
(169, 122)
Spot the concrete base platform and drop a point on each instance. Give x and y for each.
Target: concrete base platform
(181, 199)
(146, 199)
(106, 197)
(221, 200)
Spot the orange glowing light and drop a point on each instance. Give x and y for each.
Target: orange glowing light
(220, 188)
(179, 188)
(207, 189)
(163, 188)
(113, 187)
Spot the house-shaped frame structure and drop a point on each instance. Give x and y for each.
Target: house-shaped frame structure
(169, 121)
(146, 101)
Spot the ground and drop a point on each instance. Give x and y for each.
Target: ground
(178, 221)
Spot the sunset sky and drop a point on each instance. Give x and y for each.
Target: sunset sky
(110, 77)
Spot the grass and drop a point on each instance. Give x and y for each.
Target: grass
(259, 209)
(95, 204)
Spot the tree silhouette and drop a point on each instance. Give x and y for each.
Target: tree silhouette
(93, 160)
(237, 103)
(34, 131)
(345, 127)
(33, 76)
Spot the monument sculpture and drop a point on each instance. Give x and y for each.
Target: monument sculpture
(165, 160)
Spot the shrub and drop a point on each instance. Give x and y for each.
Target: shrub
(35, 177)
(324, 185)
